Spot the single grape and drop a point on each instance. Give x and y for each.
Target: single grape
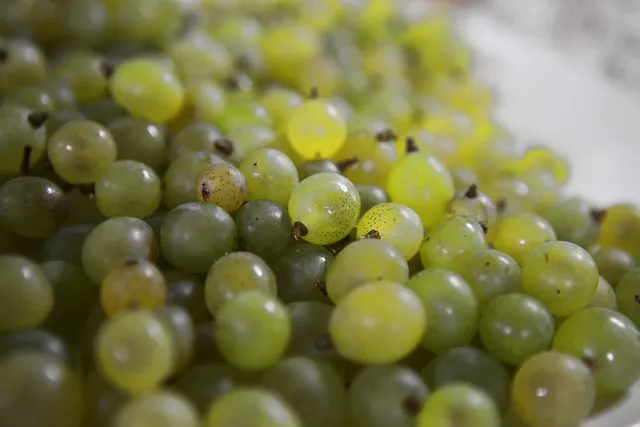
(102, 401)
(250, 407)
(182, 330)
(158, 409)
(620, 229)
(372, 168)
(302, 284)
(518, 234)
(198, 57)
(451, 307)
(23, 64)
(627, 295)
(287, 47)
(252, 330)
(62, 117)
(187, 291)
(66, 244)
(206, 99)
(449, 239)
(103, 111)
(364, 261)
(280, 102)
(222, 184)
(613, 263)
(21, 128)
(34, 340)
(316, 130)
(312, 167)
(475, 204)
(60, 92)
(252, 137)
(199, 136)
(181, 176)
(605, 296)
(572, 220)
(462, 405)
(553, 389)
(561, 275)
(86, 73)
(370, 196)
(139, 140)
(324, 208)
(31, 97)
(136, 284)
(203, 384)
(270, 175)
(242, 111)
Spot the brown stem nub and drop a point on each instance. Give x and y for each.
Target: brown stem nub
(373, 234)
(501, 205)
(204, 191)
(472, 192)
(131, 262)
(485, 229)
(232, 83)
(4, 55)
(224, 145)
(107, 69)
(244, 63)
(412, 405)
(386, 136)
(37, 118)
(25, 166)
(323, 343)
(411, 146)
(637, 299)
(314, 93)
(86, 189)
(598, 215)
(591, 363)
(322, 286)
(299, 230)
(345, 164)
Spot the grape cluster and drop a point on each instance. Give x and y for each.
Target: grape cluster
(289, 213)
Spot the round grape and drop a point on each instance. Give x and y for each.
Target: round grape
(202, 384)
(315, 129)
(613, 263)
(270, 175)
(572, 220)
(605, 296)
(475, 204)
(36, 340)
(199, 136)
(182, 330)
(139, 140)
(312, 167)
(134, 285)
(627, 297)
(222, 184)
(181, 176)
(251, 407)
(187, 291)
(24, 64)
(370, 196)
(158, 409)
(302, 284)
(518, 234)
(449, 239)
(21, 128)
(462, 404)
(86, 73)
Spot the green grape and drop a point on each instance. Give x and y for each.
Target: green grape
(234, 274)
(222, 184)
(158, 409)
(553, 389)
(510, 193)
(147, 89)
(514, 327)
(311, 388)
(241, 112)
(518, 234)
(38, 390)
(21, 128)
(475, 204)
(250, 407)
(207, 99)
(23, 64)
(373, 167)
(627, 293)
(84, 22)
(324, 208)
(194, 235)
(60, 93)
(139, 140)
(62, 117)
(264, 228)
(198, 136)
(463, 177)
(302, 284)
(462, 405)
(315, 129)
(128, 188)
(572, 220)
(133, 285)
(102, 401)
(248, 138)
(287, 47)
(66, 244)
(181, 328)
(472, 366)
(605, 296)
(620, 229)
(310, 332)
(203, 384)
(181, 175)
(135, 351)
(187, 291)
(114, 242)
(198, 57)
(395, 224)
(31, 97)
(385, 396)
(73, 297)
(252, 330)
(81, 151)
(451, 307)
(449, 239)
(378, 323)
(280, 102)
(613, 263)
(103, 111)
(270, 175)
(370, 196)
(423, 184)
(362, 262)
(82, 207)
(34, 340)
(87, 74)
(237, 32)
(26, 296)
(490, 273)
(561, 275)
(32, 207)
(146, 21)
(312, 167)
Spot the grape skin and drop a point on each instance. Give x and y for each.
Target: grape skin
(222, 184)
(137, 284)
(518, 234)
(251, 407)
(316, 130)
(158, 409)
(462, 404)
(449, 239)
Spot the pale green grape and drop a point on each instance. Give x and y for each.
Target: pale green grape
(250, 407)
(207, 99)
(378, 323)
(181, 176)
(302, 284)
(84, 22)
(20, 128)
(270, 175)
(66, 244)
(202, 384)
(181, 328)
(26, 296)
(197, 57)
(475, 204)
(31, 97)
(236, 273)
(248, 138)
(562, 275)
(135, 351)
(627, 293)
(370, 196)
(572, 220)
(280, 102)
(136, 284)
(146, 21)
(222, 184)
(520, 233)
(362, 262)
(386, 396)
(101, 401)
(187, 291)
(553, 389)
(36, 340)
(242, 111)
(515, 326)
(103, 111)
(462, 405)
(252, 331)
(324, 208)
(158, 409)
(198, 136)
(315, 129)
(86, 73)
(139, 140)
(605, 296)
(287, 47)
(310, 332)
(607, 342)
(237, 31)
(194, 235)
(451, 307)
(60, 93)
(449, 239)
(24, 64)
(613, 263)
(511, 195)
(62, 117)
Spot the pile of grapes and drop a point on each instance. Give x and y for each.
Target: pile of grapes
(289, 213)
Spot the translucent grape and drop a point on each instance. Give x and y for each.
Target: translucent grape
(605, 296)
(241, 112)
(451, 307)
(449, 239)
(627, 293)
(573, 220)
(86, 73)
(370, 196)
(66, 244)
(613, 263)
(378, 323)
(373, 167)
(462, 404)
(135, 351)
(60, 93)
(475, 204)
(182, 330)
(280, 103)
(202, 384)
(252, 331)
(302, 284)
(180, 177)
(520, 233)
(288, 47)
(139, 140)
(159, 409)
(187, 291)
(20, 128)
(550, 383)
(250, 407)
(316, 130)
(207, 100)
(23, 64)
(252, 137)
(197, 136)
(31, 97)
(222, 184)
(146, 22)
(136, 284)
(324, 208)
(198, 57)
(270, 175)
(620, 229)
(34, 340)
(561, 275)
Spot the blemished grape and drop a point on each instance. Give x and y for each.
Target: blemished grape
(86, 73)
(475, 204)
(561, 275)
(613, 263)
(378, 323)
(270, 175)
(251, 407)
(553, 389)
(222, 184)
(194, 235)
(21, 128)
(362, 262)
(158, 409)
(181, 176)
(324, 208)
(627, 297)
(393, 223)
(252, 331)
(462, 404)
(187, 291)
(451, 308)
(199, 136)
(518, 234)
(389, 395)
(236, 273)
(135, 351)
(515, 326)
(302, 284)
(136, 284)
(449, 239)
(315, 129)
(605, 296)
(36, 340)
(139, 140)
(182, 330)
(202, 384)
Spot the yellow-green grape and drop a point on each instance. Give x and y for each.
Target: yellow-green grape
(223, 185)
(373, 167)
(135, 351)
(475, 204)
(573, 220)
(199, 136)
(449, 239)
(613, 263)
(280, 102)
(322, 73)
(395, 224)
(237, 31)
(21, 128)
(604, 297)
(147, 89)
(287, 47)
(128, 188)
(460, 405)
(250, 407)
(316, 130)
(251, 137)
(441, 147)
(370, 196)
(139, 140)
(181, 176)
(136, 284)
(241, 111)
(81, 151)
(360, 142)
(270, 175)
(324, 208)
(31, 97)
(627, 292)
(146, 21)
(198, 57)
(84, 22)
(520, 233)
(620, 229)
(207, 100)
(378, 323)
(182, 330)
(545, 159)
(87, 74)
(510, 194)
(158, 409)
(422, 183)
(561, 275)
(23, 64)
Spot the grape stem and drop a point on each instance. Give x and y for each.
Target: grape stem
(299, 230)
(25, 166)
